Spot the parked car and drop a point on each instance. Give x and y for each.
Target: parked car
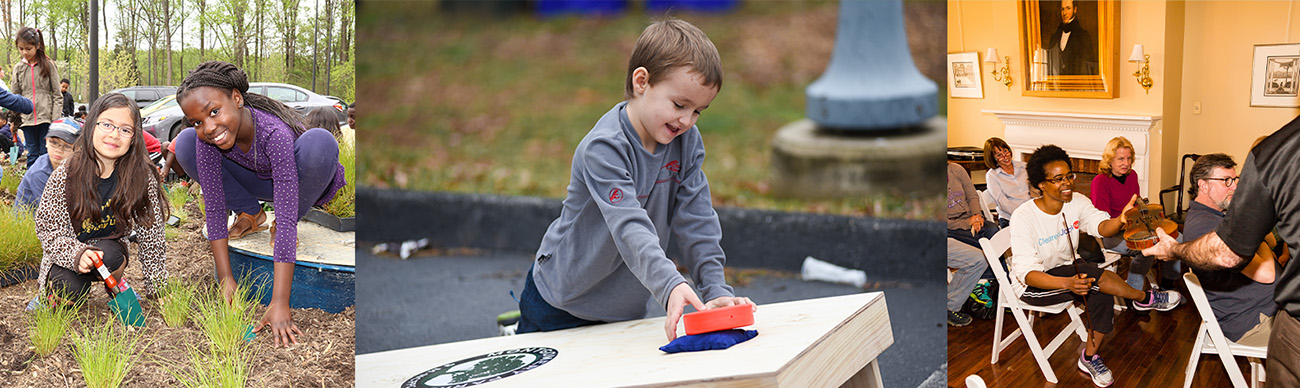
(167, 120)
(145, 95)
(302, 100)
(165, 102)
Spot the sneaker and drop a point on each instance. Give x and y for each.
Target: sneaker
(1094, 367)
(34, 304)
(958, 319)
(1161, 300)
(508, 323)
(1133, 310)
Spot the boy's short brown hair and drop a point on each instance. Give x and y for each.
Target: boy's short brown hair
(671, 43)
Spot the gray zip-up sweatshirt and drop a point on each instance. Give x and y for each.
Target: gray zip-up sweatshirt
(604, 257)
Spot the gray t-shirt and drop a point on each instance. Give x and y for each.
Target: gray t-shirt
(603, 259)
(1237, 300)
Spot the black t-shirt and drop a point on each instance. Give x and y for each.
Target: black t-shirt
(1237, 300)
(1268, 195)
(88, 230)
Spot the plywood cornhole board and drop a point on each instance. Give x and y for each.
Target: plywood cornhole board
(809, 343)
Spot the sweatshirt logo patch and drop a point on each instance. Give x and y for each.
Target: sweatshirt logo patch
(615, 195)
(673, 166)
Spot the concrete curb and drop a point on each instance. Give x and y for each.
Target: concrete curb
(896, 250)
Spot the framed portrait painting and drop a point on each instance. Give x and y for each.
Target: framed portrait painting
(964, 75)
(1069, 48)
(1274, 74)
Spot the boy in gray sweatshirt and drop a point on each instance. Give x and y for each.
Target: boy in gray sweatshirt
(636, 182)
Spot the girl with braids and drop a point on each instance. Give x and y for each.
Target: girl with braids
(36, 78)
(247, 147)
(104, 192)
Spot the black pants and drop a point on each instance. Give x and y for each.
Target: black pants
(1101, 307)
(71, 285)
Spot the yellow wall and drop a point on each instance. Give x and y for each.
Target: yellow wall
(1201, 54)
(1219, 46)
(978, 25)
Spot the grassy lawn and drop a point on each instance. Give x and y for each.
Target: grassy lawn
(496, 103)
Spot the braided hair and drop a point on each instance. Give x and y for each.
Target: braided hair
(33, 37)
(223, 75)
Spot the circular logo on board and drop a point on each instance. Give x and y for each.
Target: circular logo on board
(482, 369)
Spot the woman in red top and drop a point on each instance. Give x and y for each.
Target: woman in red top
(1113, 186)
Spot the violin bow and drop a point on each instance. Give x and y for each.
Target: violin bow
(1087, 320)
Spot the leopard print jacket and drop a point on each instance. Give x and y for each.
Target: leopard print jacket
(59, 239)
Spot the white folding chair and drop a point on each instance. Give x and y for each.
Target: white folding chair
(986, 199)
(1218, 344)
(1022, 311)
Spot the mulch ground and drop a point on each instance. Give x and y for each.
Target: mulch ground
(324, 357)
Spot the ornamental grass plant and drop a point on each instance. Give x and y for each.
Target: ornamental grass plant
(106, 353)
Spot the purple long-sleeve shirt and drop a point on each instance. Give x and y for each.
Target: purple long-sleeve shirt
(271, 157)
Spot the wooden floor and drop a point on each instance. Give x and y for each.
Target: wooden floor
(1147, 351)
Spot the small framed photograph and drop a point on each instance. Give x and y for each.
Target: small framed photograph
(964, 75)
(1274, 74)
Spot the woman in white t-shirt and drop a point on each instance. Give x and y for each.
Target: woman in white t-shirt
(1044, 235)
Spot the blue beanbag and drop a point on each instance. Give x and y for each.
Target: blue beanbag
(714, 340)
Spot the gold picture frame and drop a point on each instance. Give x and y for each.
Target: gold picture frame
(1083, 64)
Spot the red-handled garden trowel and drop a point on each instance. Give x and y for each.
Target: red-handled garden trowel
(125, 304)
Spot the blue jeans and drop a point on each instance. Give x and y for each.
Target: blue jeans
(973, 239)
(315, 153)
(1137, 270)
(537, 315)
(35, 136)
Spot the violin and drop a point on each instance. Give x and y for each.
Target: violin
(1141, 224)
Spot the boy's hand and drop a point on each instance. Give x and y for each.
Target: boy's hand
(677, 300)
(724, 301)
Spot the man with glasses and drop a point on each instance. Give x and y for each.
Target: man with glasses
(1264, 199)
(1242, 300)
(59, 142)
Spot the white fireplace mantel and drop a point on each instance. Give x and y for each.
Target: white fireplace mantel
(1082, 135)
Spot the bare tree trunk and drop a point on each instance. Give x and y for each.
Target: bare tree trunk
(315, 53)
(257, 54)
(202, 24)
(345, 30)
(182, 28)
(54, 38)
(9, 30)
(241, 43)
(167, 33)
(329, 44)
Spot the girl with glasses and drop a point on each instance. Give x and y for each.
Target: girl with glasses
(1044, 270)
(245, 147)
(106, 190)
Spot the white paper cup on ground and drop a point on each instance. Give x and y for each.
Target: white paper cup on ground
(814, 269)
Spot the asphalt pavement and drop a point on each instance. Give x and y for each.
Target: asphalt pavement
(429, 300)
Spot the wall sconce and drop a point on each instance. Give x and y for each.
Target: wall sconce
(999, 74)
(1143, 75)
